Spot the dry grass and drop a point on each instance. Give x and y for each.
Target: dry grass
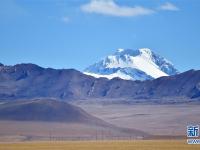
(102, 145)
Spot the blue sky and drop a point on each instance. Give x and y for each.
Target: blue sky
(77, 33)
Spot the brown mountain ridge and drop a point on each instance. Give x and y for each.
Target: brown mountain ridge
(28, 81)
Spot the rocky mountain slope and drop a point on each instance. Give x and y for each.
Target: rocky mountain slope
(27, 81)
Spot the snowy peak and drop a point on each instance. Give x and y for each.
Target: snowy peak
(143, 51)
(139, 64)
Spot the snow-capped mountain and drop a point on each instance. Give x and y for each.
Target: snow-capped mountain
(140, 64)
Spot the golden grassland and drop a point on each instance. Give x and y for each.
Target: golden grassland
(102, 145)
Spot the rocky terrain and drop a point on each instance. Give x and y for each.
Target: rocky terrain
(27, 81)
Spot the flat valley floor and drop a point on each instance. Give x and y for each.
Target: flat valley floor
(170, 120)
(157, 121)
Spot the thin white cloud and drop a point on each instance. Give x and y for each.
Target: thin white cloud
(65, 19)
(169, 6)
(109, 7)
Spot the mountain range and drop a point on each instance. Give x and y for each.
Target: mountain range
(28, 81)
(38, 103)
(139, 64)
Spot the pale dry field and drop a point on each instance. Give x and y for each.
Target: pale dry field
(152, 119)
(102, 145)
(15, 131)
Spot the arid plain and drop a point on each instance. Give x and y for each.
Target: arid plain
(170, 120)
(102, 145)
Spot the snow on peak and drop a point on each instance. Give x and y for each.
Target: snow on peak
(145, 50)
(120, 50)
(139, 64)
